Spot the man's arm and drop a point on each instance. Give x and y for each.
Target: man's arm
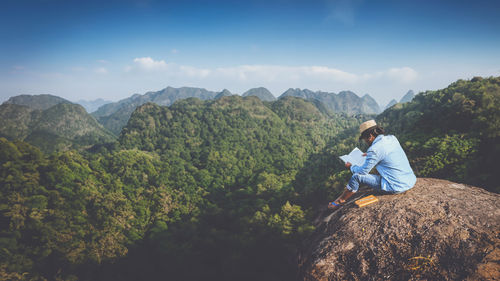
(370, 162)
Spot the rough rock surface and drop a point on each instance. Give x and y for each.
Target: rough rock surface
(438, 230)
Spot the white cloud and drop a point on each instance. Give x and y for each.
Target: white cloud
(272, 73)
(395, 74)
(102, 61)
(149, 64)
(193, 71)
(174, 51)
(101, 70)
(403, 74)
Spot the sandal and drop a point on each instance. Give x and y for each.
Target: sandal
(333, 206)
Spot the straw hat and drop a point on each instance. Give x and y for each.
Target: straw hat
(366, 125)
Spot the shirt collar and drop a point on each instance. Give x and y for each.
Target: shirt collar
(378, 138)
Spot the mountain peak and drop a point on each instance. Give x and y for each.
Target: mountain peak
(408, 97)
(391, 103)
(347, 93)
(40, 102)
(223, 93)
(261, 93)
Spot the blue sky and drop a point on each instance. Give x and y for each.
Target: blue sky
(113, 49)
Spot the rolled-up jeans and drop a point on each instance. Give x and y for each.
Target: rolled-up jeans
(373, 181)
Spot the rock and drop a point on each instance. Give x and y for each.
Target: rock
(438, 230)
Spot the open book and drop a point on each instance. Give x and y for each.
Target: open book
(355, 157)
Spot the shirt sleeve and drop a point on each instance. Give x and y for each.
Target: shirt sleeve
(370, 162)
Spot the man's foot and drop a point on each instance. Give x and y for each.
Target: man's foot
(334, 205)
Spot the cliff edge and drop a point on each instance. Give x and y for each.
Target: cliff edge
(438, 230)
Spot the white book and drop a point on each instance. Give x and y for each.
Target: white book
(355, 157)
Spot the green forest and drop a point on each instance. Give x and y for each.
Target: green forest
(223, 189)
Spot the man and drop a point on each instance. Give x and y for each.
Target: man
(387, 156)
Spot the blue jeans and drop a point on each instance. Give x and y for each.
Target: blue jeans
(373, 181)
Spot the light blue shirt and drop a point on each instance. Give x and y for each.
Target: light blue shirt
(388, 157)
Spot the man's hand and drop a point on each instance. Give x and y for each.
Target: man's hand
(348, 165)
(364, 154)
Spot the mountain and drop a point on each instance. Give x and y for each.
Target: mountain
(408, 97)
(305, 94)
(92, 105)
(438, 230)
(345, 101)
(370, 106)
(391, 103)
(223, 93)
(60, 127)
(114, 116)
(40, 102)
(261, 92)
(292, 108)
(235, 176)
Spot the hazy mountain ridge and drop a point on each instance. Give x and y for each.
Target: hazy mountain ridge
(92, 105)
(345, 101)
(114, 116)
(370, 105)
(408, 97)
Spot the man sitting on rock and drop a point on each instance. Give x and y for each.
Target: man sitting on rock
(387, 156)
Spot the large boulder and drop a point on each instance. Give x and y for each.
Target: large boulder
(438, 230)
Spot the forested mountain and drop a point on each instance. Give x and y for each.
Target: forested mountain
(453, 133)
(60, 127)
(345, 101)
(212, 190)
(40, 102)
(114, 116)
(92, 105)
(261, 92)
